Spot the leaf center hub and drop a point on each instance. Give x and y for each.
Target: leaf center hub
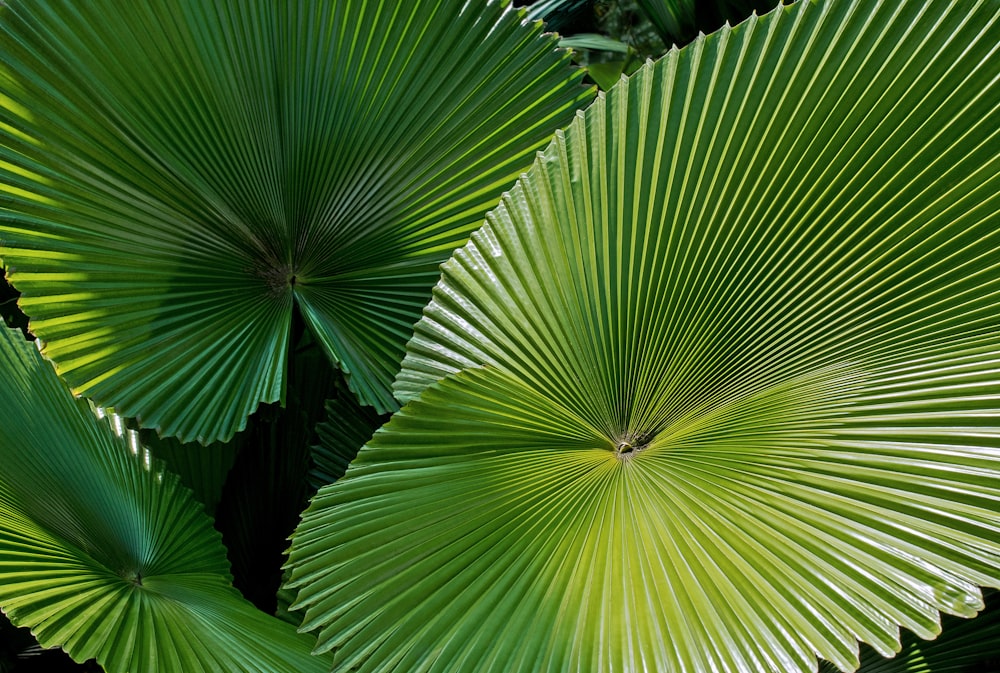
(630, 444)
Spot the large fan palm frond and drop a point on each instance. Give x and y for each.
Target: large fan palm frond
(715, 387)
(105, 554)
(176, 176)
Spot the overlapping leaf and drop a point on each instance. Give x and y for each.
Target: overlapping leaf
(174, 176)
(675, 20)
(680, 21)
(105, 554)
(344, 431)
(715, 387)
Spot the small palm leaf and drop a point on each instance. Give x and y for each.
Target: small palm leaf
(204, 472)
(680, 21)
(345, 430)
(675, 20)
(715, 387)
(177, 176)
(105, 554)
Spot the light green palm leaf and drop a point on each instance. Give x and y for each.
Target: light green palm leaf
(105, 554)
(175, 177)
(964, 646)
(715, 387)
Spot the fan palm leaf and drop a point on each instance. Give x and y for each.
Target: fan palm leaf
(177, 178)
(715, 386)
(105, 554)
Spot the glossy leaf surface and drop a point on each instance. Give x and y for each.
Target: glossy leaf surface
(105, 554)
(176, 176)
(715, 387)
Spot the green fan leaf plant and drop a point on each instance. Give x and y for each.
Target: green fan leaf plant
(713, 386)
(107, 555)
(179, 179)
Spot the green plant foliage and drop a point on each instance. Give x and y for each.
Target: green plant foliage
(604, 58)
(179, 178)
(715, 387)
(9, 311)
(558, 14)
(964, 646)
(202, 469)
(675, 20)
(680, 21)
(105, 554)
(344, 431)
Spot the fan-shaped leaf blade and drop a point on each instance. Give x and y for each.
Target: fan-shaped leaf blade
(176, 177)
(105, 554)
(715, 387)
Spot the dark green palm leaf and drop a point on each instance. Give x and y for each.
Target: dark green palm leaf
(680, 21)
(176, 177)
(345, 430)
(203, 471)
(715, 387)
(105, 554)
(675, 20)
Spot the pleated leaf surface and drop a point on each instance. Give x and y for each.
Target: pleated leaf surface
(176, 176)
(715, 388)
(674, 20)
(342, 433)
(964, 646)
(105, 554)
